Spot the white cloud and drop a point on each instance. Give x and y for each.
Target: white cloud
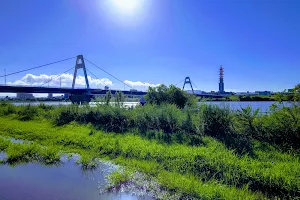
(65, 80)
(140, 84)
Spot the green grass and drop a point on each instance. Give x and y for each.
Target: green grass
(208, 171)
(119, 177)
(167, 123)
(4, 144)
(21, 153)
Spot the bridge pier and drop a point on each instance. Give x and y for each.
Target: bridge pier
(80, 98)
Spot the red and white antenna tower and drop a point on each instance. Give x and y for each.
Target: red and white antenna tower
(221, 83)
(221, 73)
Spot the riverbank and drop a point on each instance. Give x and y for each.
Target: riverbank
(138, 154)
(214, 167)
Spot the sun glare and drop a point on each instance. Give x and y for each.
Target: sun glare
(127, 5)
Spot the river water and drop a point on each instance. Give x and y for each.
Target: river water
(263, 106)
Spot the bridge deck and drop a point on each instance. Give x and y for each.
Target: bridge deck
(30, 89)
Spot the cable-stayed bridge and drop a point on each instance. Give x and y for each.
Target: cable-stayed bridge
(79, 95)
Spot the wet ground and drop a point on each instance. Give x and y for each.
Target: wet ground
(67, 181)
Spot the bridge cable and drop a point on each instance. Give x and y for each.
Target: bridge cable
(51, 79)
(194, 85)
(108, 73)
(37, 67)
(179, 82)
(95, 76)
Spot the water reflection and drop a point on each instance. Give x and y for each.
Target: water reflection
(64, 182)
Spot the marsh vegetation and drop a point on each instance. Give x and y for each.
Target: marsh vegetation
(205, 151)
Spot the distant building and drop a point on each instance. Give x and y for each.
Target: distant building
(106, 87)
(133, 90)
(25, 96)
(246, 93)
(263, 93)
(50, 96)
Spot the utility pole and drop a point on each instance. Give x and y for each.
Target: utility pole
(60, 81)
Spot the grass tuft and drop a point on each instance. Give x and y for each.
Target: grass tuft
(208, 153)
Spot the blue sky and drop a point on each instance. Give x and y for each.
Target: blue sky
(162, 41)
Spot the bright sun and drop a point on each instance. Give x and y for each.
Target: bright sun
(127, 5)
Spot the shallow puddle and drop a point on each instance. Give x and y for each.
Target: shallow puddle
(3, 156)
(13, 140)
(68, 181)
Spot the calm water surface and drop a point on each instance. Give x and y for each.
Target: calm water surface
(33, 181)
(235, 105)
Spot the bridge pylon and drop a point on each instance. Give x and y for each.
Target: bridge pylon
(82, 97)
(80, 64)
(187, 80)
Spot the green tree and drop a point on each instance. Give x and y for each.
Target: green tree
(172, 95)
(177, 96)
(108, 97)
(297, 93)
(278, 97)
(119, 98)
(157, 95)
(246, 117)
